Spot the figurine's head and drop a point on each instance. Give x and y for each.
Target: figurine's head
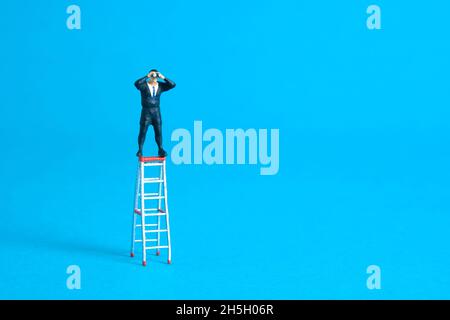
(153, 75)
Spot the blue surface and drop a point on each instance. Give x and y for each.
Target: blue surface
(363, 118)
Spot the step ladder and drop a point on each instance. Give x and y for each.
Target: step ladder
(149, 209)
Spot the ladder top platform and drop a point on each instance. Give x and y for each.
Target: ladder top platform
(151, 159)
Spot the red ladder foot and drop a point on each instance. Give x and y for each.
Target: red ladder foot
(157, 253)
(169, 261)
(132, 255)
(144, 263)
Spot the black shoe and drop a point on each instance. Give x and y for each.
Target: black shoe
(162, 153)
(139, 153)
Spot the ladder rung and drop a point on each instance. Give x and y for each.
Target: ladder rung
(156, 247)
(153, 210)
(158, 230)
(147, 240)
(153, 180)
(161, 212)
(148, 196)
(154, 214)
(153, 164)
(147, 225)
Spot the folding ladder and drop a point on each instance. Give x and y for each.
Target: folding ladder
(151, 206)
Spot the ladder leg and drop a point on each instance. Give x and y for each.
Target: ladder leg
(133, 235)
(166, 208)
(136, 190)
(142, 191)
(158, 242)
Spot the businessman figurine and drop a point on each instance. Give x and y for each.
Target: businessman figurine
(151, 90)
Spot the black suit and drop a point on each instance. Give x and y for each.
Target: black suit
(150, 113)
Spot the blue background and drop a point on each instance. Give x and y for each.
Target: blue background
(363, 118)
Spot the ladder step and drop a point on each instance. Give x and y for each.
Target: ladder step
(147, 240)
(160, 212)
(147, 225)
(154, 210)
(156, 247)
(153, 164)
(154, 214)
(151, 159)
(158, 230)
(151, 196)
(153, 180)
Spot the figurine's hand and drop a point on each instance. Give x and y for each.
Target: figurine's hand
(161, 75)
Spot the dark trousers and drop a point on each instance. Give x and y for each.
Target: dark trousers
(150, 116)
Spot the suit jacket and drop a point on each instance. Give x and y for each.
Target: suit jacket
(147, 101)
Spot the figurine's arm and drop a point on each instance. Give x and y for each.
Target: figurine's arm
(167, 84)
(139, 82)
